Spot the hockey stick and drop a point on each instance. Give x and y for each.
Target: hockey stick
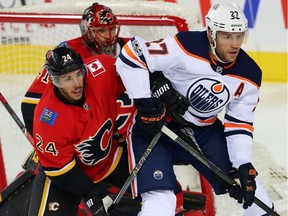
(137, 168)
(32, 156)
(16, 118)
(29, 173)
(211, 166)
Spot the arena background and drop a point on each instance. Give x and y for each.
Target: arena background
(267, 42)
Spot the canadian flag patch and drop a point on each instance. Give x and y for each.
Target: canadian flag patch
(96, 68)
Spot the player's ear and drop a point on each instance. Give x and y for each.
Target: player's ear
(209, 35)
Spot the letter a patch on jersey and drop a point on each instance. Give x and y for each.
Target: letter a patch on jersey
(48, 116)
(96, 68)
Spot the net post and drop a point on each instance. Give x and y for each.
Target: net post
(3, 179)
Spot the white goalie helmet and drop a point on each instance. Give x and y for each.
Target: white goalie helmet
(226, 18)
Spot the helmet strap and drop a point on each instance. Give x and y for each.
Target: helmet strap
(213, 45)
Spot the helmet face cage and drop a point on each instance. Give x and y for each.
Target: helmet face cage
(62, 60)
(99, 28)
(226, 18)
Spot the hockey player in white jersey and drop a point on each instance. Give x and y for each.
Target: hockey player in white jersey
(211, 71)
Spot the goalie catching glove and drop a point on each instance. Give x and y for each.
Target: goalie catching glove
(175, 103)
(246, 174)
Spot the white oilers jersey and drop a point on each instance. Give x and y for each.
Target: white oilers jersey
(209, 85)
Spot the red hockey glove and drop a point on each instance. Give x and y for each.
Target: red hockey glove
(175, 103)
(246, 174)
(150, 115)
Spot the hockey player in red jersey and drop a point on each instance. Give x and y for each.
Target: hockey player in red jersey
(100, 29)
(201, 73)
(75, 136)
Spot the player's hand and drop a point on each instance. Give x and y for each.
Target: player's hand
(246, 174)
(150, 116)
(175, 102)
(94, 199)
(235, 190)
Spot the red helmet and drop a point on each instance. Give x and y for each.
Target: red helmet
(99, 28)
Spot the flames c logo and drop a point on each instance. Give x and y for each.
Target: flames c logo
(97, 147)
(105, 17)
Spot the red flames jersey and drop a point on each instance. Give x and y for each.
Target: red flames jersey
(65, 134)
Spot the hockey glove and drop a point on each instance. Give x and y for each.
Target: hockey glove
(175, 103)
(246, 174)
(94, 199)
(235, 190)
(115, 210)
(150, 115)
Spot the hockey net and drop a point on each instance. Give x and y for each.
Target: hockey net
(27, 34)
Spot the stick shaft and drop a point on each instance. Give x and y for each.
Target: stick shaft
(137, 167)
(212, 166)
(16, 118)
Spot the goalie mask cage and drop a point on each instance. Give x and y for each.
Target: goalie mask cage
(28, 32)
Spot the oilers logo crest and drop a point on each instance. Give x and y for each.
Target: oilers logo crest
(207, 95)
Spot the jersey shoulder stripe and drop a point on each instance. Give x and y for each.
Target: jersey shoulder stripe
(131, 55)
(246, 67)
(199, 45)
(127, 61)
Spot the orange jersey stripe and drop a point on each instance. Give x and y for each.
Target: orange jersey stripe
(208, 121)
(133, 56)
(132, 164)
(245, 79)
(234, 125)
(188, 53)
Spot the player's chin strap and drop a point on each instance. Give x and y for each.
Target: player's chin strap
(199, 156)
(213, 49)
